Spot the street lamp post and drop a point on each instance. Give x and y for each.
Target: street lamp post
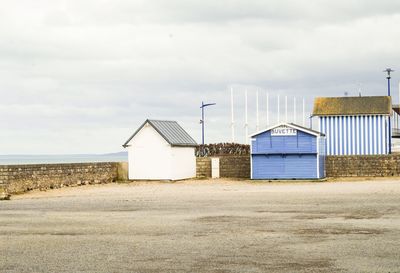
(388, 71)
(203, 105)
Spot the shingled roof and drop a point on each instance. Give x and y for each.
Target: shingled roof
(345, 106)
(171, 131)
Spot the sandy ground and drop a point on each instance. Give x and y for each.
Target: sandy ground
(205, 226)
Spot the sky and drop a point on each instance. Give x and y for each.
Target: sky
(80, 76)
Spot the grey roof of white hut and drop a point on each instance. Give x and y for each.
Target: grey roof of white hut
(170, 130)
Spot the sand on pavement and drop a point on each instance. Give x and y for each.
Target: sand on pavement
(205, 226)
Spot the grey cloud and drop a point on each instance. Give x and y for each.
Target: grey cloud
(79, 76)
(193, 11)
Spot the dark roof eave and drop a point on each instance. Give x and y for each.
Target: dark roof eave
(134, 134)
(339, 115)
(125, 145)
(185, 145)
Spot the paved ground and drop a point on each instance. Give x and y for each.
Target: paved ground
(204, 226)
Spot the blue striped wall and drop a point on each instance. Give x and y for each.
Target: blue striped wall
(355, 135)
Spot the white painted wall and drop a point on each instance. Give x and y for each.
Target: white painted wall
(183, 163)
(215, 167)
(149, 155)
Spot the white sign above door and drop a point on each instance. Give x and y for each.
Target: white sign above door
(283, 131)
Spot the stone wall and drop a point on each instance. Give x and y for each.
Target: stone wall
(229, 166)
(123, 171)
(22, 178)
(336, 166)
(366, 165)
(203, 167)
(234, 166)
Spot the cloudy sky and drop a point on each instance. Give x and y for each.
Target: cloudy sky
(79, 76)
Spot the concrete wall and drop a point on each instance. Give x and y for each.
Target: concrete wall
(366, 165)
(22, 178)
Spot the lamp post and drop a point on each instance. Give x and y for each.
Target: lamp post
(203, 105)
(388, 71)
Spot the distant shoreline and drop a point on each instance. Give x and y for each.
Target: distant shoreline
(68, 158)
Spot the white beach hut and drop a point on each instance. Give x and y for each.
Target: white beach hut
(161, 150)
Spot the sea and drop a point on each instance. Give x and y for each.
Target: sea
(62, 158)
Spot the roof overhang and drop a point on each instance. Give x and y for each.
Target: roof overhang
(149, 122)
(292, 125)
(352, 106)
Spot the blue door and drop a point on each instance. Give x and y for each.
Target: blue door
(284, 166)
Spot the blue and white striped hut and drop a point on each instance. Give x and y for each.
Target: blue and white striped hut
(354, 125)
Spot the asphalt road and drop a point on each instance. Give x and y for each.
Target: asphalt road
(204, 226)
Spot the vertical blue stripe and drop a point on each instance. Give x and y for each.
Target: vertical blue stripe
(346, 133)
(366, 135)
(328, 136)
(374, 127)
(329, 131)
(383, 135)
(344, 151)
(387, 135)
(371, 132)
(348, 120)
(340, 135)
(351, 136)
(381, 132)
(371, 135)
(335, 135)
(331, 144)
(374, 134)
(363, 123)
(358, 134)
(343, 134)
(329, 119)
(326, 133)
